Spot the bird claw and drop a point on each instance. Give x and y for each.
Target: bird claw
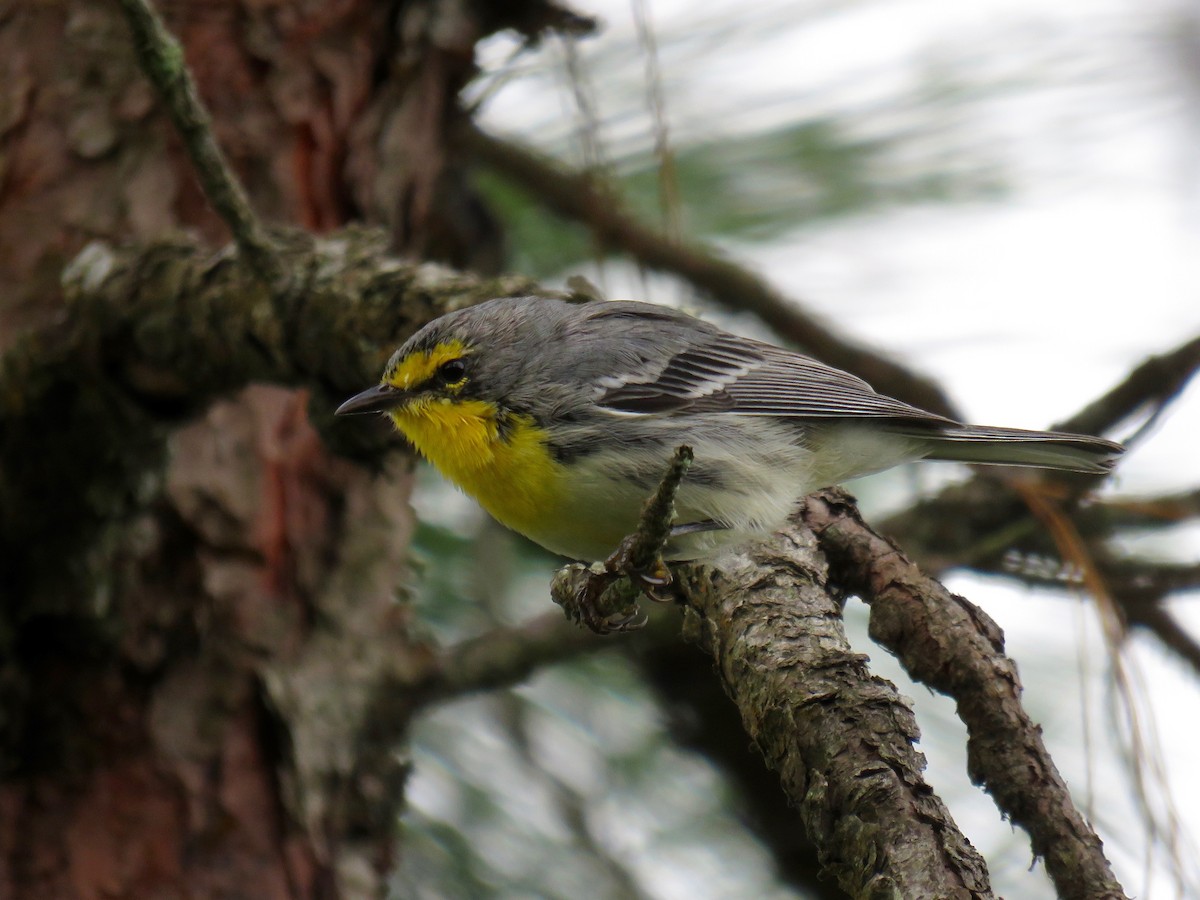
(594, 597)
(658, 576)
(651, 582)
(605, 597)
(654, 583)
(618, 623)
(591, 612)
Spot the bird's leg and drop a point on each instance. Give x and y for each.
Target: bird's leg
(604, 596)
(598, 598)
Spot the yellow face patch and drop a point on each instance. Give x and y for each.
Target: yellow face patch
(417, 368)
(509, 470)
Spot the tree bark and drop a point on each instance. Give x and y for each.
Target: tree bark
(199, 596)
(841, 740)
(953, 646)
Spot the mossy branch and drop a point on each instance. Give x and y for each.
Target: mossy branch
(155, 333)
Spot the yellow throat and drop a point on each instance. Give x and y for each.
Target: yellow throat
(508, 469)
(513, 476)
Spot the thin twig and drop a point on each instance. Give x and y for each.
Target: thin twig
(1145, 512)
(161, 58)
(506, 656)
(1156, 382)
(1135, 584)
(668, 179)
(1168, 630)
(645, 546)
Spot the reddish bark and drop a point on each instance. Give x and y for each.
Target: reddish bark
(150, 755)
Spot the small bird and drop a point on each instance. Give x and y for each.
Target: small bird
(561, 418)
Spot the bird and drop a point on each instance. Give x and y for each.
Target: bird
(560, 418)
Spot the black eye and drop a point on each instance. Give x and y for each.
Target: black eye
(452, 372)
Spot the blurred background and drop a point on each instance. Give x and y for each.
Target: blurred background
(1004, 196)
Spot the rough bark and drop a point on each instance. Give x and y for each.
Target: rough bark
(841, 740)
(197, 720)
(951, 645)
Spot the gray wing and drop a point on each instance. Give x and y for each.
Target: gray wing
(720, 372)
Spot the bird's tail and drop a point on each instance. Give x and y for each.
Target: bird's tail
(1017, 447)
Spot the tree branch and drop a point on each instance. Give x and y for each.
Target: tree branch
(506, 656)
(1156, 382)
(1135, 583)
(949, 644)
(840, 739)
(161, 58)
(1167, 629)
(701, 717)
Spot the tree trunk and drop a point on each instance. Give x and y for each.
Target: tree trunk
(187, 704)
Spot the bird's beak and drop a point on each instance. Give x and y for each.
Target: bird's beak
(380, 398)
